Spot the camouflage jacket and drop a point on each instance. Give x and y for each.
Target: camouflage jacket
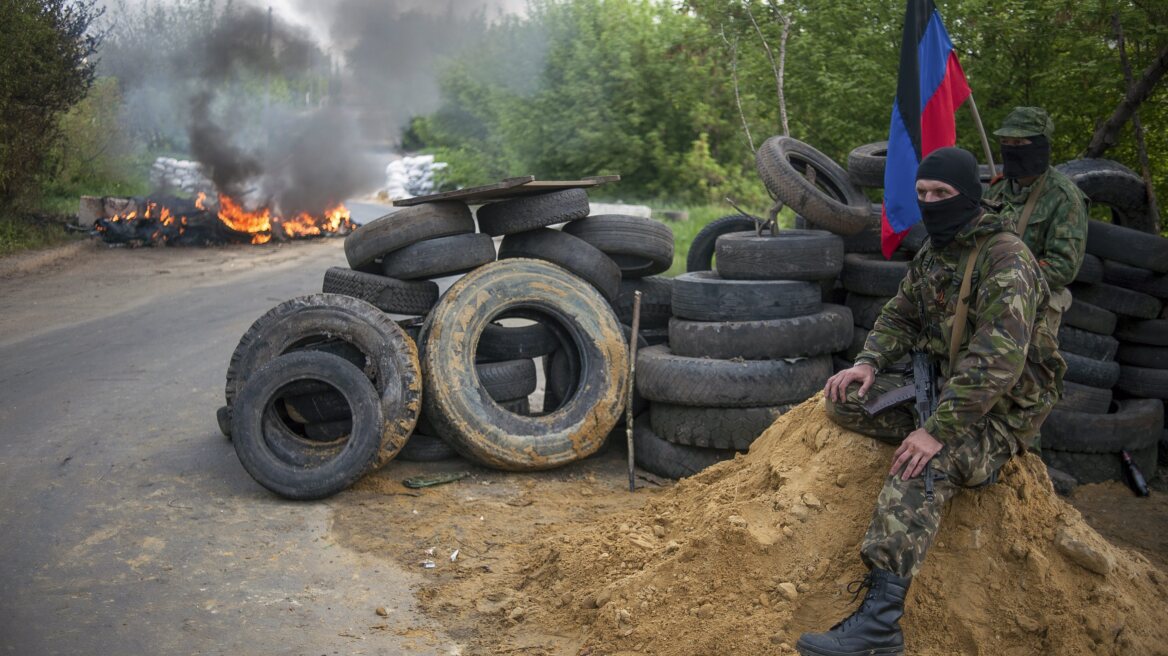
(1057, 230)
(1008, 366)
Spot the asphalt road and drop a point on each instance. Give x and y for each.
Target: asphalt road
(129, 526)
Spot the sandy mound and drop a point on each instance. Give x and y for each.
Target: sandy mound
(744, 557)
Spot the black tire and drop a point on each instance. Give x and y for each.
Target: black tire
(826, 331)
(670, 460)
(663, 376)
(1127, 246)
(223, 418)
(1140, 355)
(559, 381)
(1143, 382)
(865, 309)
(706, 296)
(404, 227)
(868, 240)
(915, 239)
(442, 256)
(655, 336)
(1136, 424)
(1083, 398)
(505, 381)
(786, 255)
(426, 448)
(330, 431)
(1089, 371)
(859, 338)
(1096, 467)
(656, 301)
(389, 356)
(386, 294)
(530, 212)
(476, 426)
(1106, 182)
(332, 474)
(701, 250)
(1137, 279)
(574, 254)
(712, 428)
(1121, 301)
(1153, 332)
(1093, 318)
(1091, 271)
(866, 164)
(640, 246)
(500, 343)
(872, 275)
(1088, 344)
(832, 202)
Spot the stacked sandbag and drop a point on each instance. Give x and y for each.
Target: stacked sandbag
(745, 343)
(411, 176)
(170, 174)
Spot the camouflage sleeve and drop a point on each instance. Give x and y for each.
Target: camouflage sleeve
(1066, 239)
(1002, 315)
(897, 327)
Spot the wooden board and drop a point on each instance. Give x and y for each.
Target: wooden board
(510, 188)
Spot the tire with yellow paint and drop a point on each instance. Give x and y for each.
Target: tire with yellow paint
(458, 405)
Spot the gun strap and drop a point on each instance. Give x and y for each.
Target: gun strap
(962, 312)
(1031, 201)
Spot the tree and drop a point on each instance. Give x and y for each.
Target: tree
(46, 67)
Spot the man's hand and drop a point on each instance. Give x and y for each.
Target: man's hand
(912, 454)
(836, 387)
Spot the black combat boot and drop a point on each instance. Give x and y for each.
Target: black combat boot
(873, 630)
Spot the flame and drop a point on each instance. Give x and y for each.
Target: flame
(258, 224)
(305, 225)
(199, 200)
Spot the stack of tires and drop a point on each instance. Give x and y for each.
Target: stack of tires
(1115, 341)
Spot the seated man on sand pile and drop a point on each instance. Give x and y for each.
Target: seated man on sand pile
(999, 374)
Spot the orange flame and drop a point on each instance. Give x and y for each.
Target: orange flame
(258, 224)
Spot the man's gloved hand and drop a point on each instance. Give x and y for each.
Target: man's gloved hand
(913, 453)
(836, 388)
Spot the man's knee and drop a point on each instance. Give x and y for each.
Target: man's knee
(889, 426)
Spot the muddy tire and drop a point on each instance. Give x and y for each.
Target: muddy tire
(712, 428)
(705, 296)
(476, 426)
(1089, 371)
(404, 227)
(343, 466)
(639, 245)
(703, 382)
(826, 331)
(1127, 246)
(786, 255)
(701, 250)
(866, 164)
(1124, 302)
(670, 460)
(574, 254)
(656, 301)
(386, 294)
(1085, 316)
(872, 275)
(832, 202)
(508, 217)
(442, 256)
(1083, 398)
(389, 357)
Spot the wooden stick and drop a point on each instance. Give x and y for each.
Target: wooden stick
(632, 378)
(985, 141)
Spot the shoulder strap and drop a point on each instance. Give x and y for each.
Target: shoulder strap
(1031, 201)
(960, 316)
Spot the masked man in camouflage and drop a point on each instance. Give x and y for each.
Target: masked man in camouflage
(993, 392)
(1055, 228)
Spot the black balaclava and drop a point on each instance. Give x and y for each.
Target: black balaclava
(1026, 161)
(945, 218)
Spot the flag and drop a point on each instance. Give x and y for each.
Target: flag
(930, 86)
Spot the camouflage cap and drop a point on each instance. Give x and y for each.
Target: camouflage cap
(1026, 122)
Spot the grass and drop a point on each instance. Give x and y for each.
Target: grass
(699, 216)
(22, 233)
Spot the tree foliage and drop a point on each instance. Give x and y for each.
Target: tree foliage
(46, 66)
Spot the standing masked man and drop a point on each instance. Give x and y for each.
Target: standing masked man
(1041, 204)
(974, 302)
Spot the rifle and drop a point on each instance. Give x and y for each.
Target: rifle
(922, 391)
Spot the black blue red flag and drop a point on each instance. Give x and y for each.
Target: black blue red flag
(930, 86)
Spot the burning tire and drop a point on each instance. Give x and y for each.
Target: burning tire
(831, 201)
(786, 255)
(530, 212)
(386, 354)
(640, 246)
(475, 425)
(337, 468)
(413, 298)
(442, 256)
(365, 245)
(572, 253)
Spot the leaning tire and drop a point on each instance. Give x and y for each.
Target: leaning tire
(442, 256)
(571, 253)
(530, 212)
(701, 249)
(832, 201)
(712, 428)
(786, 255)
(404, 227)
(826, 331)
(706, 296)
(1127, 246)
(386, 294)
(476, 426)
(670, 460)
(866, 164)
(345, 465)
(663, 376)
(640, 246)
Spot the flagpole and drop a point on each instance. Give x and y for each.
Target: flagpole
(985, 141)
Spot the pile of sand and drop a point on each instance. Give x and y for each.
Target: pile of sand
(744, 557)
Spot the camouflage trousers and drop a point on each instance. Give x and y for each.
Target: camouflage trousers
(905, 521)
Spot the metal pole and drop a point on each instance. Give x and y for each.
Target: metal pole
(985, 141)
(632, 378)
